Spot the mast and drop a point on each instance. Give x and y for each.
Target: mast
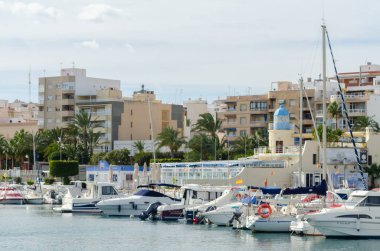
(324, 134)
(30, 87)
(300, 134)
(151, 131)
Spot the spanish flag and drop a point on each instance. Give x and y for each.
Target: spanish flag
(265, 182)
(239, 181)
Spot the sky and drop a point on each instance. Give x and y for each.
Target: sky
(182, 49)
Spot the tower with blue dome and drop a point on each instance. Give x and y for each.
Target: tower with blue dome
(281, 119)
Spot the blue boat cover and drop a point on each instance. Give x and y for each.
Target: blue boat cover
(320, 189)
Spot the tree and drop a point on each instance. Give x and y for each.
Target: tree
(244, 145)
(139, 145)
(373, 172)
(4, 149)
(21, 145)
(201, 147)
(362, 122)
(84, 123)
(63, 168)
(118, 157)
(170, 138)
(335, 111)
(207, 124)
(331, 134)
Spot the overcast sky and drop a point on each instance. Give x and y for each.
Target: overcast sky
(180, 48)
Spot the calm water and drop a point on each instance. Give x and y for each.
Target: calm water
(38, 228)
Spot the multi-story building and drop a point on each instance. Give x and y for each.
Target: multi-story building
(58, 95)
(105, 108)
(17, 115)
(365, 76)
(244, 115)
(192, 110)
(143, 115)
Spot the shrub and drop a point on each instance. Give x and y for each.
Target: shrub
(49, 181)
(30, 182)
(17, 180)
(63, 168)
(66, 181)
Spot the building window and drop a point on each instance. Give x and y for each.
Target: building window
(292, 102)
(131, 136)
(131, 124)
(131, 112)
(243, 120)
(243, 132)
(243, 107)
(49, 98)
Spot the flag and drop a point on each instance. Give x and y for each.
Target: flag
(265, 182)
(239, 181)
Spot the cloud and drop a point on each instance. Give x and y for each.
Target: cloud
(99, 12)
(130, 48)
(30, 9)
(92, 44)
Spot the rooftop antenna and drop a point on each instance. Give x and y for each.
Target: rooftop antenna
(30, 87)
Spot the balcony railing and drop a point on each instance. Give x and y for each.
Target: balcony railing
(277, 150)
(349, 97)
(357, 112)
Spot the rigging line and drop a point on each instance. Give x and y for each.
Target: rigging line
(312, 118)
(346, 115)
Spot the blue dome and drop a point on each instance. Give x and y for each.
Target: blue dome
(281, 111)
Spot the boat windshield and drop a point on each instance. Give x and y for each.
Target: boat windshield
(353, 200)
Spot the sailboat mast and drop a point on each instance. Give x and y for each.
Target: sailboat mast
(151, 131)
(300, 135)
(324, 133)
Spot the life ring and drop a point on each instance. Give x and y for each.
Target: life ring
(264, 214)
(238, 196)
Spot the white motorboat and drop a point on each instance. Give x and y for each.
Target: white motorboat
(192, 195)
(359, 217)
(78, 200)
(10, 195)
(230, 195)
(135, 204)
(222, 216)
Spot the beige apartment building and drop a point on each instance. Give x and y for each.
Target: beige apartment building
(58, 95)
(246, 114)
(142, 108)
(17, 115)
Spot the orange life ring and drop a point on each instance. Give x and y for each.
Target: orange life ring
(264, 214)
(238, 196)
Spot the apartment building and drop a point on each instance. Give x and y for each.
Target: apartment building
(58, 95)
(143, 115)
(243, 115)
(192, 110)
(105, 108)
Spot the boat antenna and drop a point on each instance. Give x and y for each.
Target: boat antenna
(364, 180)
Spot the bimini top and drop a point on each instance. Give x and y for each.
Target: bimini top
(151, 193)
(320, 189)
(153, 185)
(281, 111)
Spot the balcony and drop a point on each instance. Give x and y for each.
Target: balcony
(67, 113)
(357, 112)
(68, 102)
(349, 97)
(258, 123)
(229, 123)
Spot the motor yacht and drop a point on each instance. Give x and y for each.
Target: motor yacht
(193, 194)
(137, 203)
(11, 195)
(83, 200)
(359, 217)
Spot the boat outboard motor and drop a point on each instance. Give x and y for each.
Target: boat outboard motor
(150, 211)
(236, 216)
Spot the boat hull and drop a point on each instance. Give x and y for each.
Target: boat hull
(11, 201)
(275, 224)
(219, 218)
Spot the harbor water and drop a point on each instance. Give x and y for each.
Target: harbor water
(29, 227)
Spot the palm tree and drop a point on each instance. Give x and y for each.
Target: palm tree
(201, 147)
(4, 149)
(20, 145)
(335, 111)
(374, 172)
(83, 122)
(331, 134)
(170, 138)
(93, 140)
(244, 144)
(363, 122)
(139, 145)
(207, 124)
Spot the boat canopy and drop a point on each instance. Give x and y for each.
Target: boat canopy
(320, 189)
(267, 190)
(153, 185)
(152, 193)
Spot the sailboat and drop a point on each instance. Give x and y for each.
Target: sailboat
(360, 216)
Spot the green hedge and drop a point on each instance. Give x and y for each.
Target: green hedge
(168, 160)
(63, 168)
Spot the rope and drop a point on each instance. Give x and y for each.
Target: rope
(346, 116)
